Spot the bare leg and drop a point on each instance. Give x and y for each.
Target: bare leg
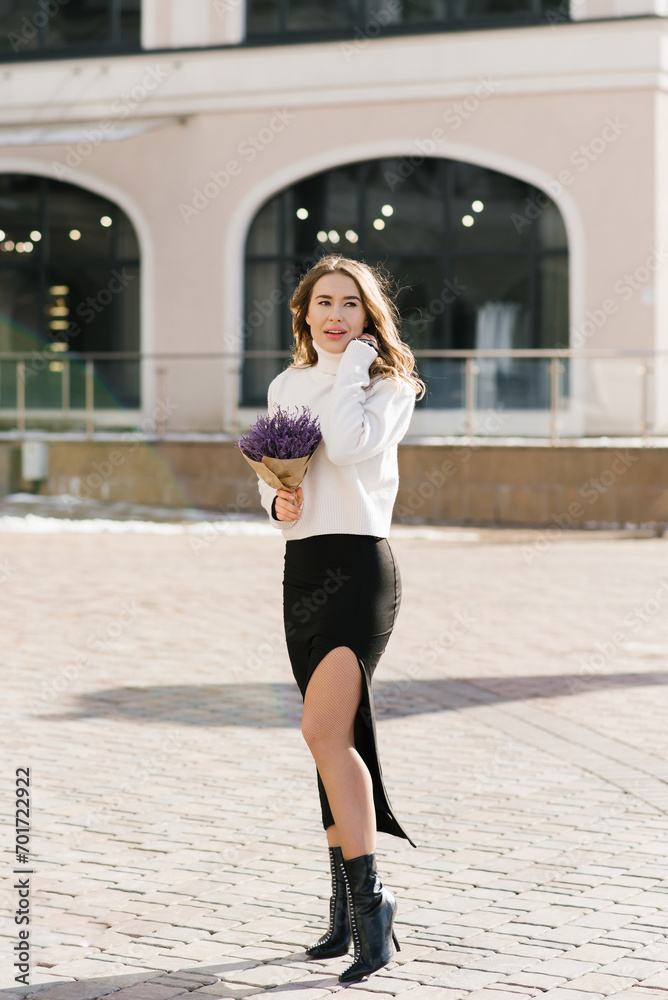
(330, 705)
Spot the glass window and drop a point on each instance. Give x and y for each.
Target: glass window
(425, 10)
(130, 22)
(365, 19)
(30, 26)
(307, 15)
(264, 17)
(405, 207)
(79, 23)
(485, 205)
(489, 284)
(264, 234)
(19, 32)
(69, 280)
(19, 307)
(80, 223)
(553, 322)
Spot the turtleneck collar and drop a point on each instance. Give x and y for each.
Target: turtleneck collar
(328, 361)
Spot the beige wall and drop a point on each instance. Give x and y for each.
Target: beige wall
(560, 487)
(178, 23)
(535, 96)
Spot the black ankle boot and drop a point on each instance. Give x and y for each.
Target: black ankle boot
(336, 940)
(372, 908)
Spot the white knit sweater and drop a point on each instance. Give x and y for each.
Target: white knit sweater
(352, 479)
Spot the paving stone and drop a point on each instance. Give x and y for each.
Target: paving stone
(491, 993)
(636, 968)
(597, 982)
(536, 980)
(468, 979)
(223, 991)
(148, 991)
(597, 953)
(641, 993)
(568, 994)
(502, 963)
(286, 993)
(566, 967)
(267, 976)
(657, 979)
(420, 972)
(380, 985)
(429, 993)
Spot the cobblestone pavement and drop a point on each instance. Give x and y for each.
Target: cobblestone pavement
(178, 850)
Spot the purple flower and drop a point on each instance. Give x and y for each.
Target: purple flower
(282, 436)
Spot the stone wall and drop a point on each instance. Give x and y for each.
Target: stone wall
(466, 484)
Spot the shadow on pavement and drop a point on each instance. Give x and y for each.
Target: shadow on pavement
(277, 705)
(154, 983)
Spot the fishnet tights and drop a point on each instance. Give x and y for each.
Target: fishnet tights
(332, 698)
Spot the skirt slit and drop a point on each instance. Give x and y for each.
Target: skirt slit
(344, 590)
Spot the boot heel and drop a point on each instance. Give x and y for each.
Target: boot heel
(396, 943)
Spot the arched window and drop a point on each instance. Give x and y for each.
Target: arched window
(481, 258)
(361, 20)
(69, 281)
(34, 27)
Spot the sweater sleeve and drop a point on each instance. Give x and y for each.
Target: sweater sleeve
(355, 426)
(268, 493)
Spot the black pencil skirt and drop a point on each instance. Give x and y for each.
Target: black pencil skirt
(343, 590)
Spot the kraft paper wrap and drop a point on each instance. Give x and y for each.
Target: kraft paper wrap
(281, 473)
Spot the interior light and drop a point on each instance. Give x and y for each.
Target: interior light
(105, 221)
(75, 234)
(477, 206)
(468, 220)
(9, 245)
(58, 324)
(19, 247)
(351, 236)
(334, 236)
(35, 235)
(387, 210)
(58, 311)
(56, 366)
(59, 289)
(58, 345)
(322, 236)
(3, 234)
(27, 247)
(379, 223)
(302, 213)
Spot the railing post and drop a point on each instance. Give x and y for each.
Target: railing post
(21, 397)
(555, 371)
(470, 384)
(160, 417)
(646, 370)
(90, 399)
(65, 388)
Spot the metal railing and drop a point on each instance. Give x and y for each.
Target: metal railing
(81, 406)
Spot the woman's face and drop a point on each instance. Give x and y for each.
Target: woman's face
(335, 314)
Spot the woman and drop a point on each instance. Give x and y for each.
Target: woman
(341, 586)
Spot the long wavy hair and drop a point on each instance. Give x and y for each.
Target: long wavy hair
(395, 358)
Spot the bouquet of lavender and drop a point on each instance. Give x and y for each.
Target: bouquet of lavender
(279, 448)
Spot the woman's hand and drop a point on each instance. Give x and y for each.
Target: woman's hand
(286, 508)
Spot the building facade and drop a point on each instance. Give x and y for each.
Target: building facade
(168, 169)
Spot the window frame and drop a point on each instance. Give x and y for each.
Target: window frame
(534, 253)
